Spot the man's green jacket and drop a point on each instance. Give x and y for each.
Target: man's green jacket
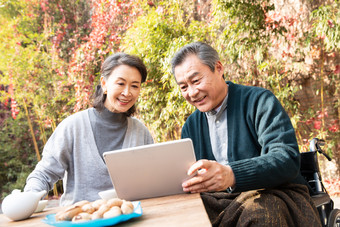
(262, 147)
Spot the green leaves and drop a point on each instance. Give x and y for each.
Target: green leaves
(155, 37)
(243, 28)
(31, 67)
(326, 25)
(51, 53)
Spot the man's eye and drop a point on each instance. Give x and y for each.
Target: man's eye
(183, 87)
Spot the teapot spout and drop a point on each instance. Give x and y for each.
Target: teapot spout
(41, 193)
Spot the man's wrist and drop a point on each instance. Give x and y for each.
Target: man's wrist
(230, 189)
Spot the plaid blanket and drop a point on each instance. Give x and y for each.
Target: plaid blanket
(290, 205)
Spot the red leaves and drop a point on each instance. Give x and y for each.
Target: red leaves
(148, 81)
(332, 186)
(322, 114)
(43, 6)
(334, 127)
(330, 23)
(273, 17)
(337, 69)
(110, 19)
(14, 105)
(14, 108)
(331, 126)
(317, 124)
(150, 3)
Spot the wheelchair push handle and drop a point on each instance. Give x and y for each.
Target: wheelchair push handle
(315, 145)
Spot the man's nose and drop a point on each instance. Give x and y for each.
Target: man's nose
(192, 91)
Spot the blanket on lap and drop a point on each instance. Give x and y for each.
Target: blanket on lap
(289, 205)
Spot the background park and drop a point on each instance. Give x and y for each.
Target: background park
(51, 52)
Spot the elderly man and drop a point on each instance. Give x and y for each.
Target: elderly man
(248, 158)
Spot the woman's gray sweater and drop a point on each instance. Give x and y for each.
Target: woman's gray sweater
(71, 154)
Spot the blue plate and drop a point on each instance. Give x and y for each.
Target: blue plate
(50, 219)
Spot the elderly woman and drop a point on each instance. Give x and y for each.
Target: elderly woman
(74, 151)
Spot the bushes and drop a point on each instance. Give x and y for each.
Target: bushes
(155, 37)
(51, 54)
(31, 69)
(17, 157)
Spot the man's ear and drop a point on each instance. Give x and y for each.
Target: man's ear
(219, 68)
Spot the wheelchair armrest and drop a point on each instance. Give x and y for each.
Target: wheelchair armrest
(321, 198)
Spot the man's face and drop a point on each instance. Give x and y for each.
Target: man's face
(200, 86)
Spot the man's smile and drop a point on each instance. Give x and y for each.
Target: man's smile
(199, 100)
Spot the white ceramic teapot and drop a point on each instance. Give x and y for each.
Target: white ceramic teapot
(21, 205)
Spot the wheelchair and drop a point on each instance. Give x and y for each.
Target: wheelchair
(329, 216)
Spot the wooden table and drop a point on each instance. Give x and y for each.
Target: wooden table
(176, 210)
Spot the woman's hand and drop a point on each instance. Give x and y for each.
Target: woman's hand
(211, 176)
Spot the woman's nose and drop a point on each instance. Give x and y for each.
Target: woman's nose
(126, 91)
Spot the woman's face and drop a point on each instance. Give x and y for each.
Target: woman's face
(122, 88)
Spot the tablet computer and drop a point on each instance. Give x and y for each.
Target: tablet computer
(152, 170)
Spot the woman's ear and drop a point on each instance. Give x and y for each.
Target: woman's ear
(103, 83)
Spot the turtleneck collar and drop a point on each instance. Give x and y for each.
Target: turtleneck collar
(107, 115)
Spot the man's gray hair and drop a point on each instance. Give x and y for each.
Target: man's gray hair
(203, 51)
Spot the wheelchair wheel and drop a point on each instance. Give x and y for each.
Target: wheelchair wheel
(334, 218)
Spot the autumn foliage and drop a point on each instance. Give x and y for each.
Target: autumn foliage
(51, 53)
